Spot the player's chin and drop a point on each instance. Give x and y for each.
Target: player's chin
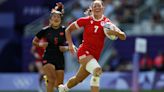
(97, 12)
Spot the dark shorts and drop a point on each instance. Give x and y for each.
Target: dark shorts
(58, 63)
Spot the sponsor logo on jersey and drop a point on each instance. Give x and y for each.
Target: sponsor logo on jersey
(102, 23)
(91, 21)
(107, 20)
(61, 33)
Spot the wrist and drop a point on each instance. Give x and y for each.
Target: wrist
(70, 43)
(40, 44)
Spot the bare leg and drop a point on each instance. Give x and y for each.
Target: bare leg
(59, 77)
(49, 71)
(97, 72)
(40, 70)
(79, 77)
(81, 74)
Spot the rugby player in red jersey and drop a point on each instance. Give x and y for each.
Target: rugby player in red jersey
(89, 51)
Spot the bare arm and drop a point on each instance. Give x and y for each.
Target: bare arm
(35, 53)
(36, 43)
(121, 35)
(72, 27)
(63, 48)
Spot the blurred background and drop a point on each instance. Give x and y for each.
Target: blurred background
(124, 69)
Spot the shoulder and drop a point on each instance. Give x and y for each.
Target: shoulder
(63, 27)
(106, 19)
(42, 32)
(46, 28)
(84, 18)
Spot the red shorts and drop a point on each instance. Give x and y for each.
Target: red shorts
(83, 52)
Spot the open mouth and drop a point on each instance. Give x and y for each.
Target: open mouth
(97, 9)
(56, 21)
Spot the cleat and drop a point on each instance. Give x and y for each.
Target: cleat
(61, 88)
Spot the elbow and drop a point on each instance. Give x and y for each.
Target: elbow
(68, 31)
(122, 36)
(33, 42)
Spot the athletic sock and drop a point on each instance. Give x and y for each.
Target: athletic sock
(66, 87)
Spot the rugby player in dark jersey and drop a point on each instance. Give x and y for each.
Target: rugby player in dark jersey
(53, 65)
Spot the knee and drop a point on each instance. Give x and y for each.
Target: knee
(93, 67)
(97, 71)
(48, 67)
(48, 71)
(95, 79)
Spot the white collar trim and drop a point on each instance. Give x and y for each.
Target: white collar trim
(98, 19)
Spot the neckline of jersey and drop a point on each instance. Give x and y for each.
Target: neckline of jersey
(98, 19)
(54, 29)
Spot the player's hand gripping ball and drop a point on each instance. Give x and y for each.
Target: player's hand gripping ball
(107, 27)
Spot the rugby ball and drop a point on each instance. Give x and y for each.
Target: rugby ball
(107, 27)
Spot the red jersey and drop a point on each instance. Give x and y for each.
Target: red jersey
(93, 36)
(38, 51)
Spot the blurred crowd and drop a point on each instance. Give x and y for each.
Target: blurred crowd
(146, 63)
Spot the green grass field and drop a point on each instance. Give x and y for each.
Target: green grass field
(89, 91)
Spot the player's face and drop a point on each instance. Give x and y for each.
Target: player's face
(55, 20)
(97, 8)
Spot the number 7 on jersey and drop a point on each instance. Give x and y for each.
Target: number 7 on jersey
(96, 28)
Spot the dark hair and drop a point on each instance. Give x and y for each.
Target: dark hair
(58, 9)
(88, 11)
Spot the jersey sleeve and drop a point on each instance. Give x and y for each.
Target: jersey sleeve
(81, 22)
(107, 20)
(41, 34)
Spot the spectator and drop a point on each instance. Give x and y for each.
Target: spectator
(159, 62)
(146, 63)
